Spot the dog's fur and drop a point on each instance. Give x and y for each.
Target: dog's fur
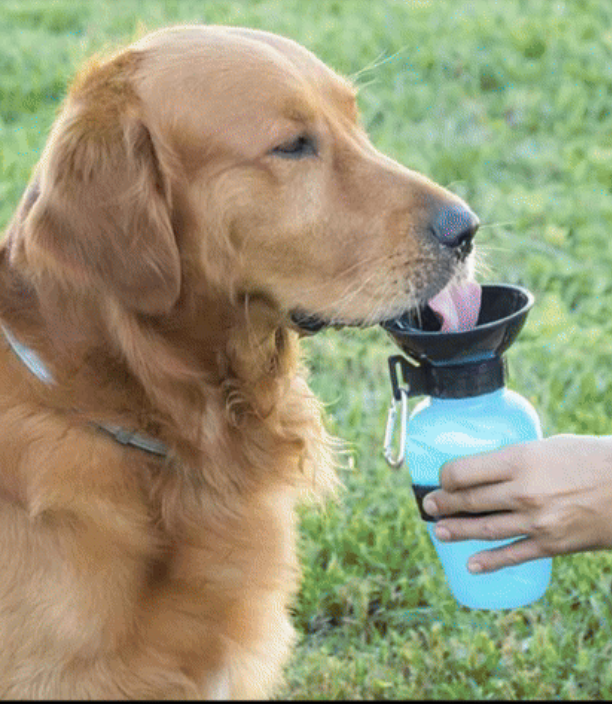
(153, 264)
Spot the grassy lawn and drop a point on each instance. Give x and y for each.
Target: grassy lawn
(509, 105)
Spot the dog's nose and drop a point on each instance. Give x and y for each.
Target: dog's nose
(455, 225)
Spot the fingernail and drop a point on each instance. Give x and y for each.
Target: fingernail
(442, 533)
(429, 506)
(474, 567)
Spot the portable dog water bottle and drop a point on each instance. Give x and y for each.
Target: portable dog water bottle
(467, 410)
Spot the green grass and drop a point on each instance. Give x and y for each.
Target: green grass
(508, 104)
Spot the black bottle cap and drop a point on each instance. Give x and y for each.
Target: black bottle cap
(448, 381)
(466, 380)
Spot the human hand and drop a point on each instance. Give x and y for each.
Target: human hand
(556, 493)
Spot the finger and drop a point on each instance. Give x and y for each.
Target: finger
(515, 553)
(482, 468)
(480, 499)
(498, 526)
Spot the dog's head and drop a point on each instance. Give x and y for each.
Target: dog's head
(235, 158)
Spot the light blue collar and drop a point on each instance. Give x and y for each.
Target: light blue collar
(35, 364)
(32, 361)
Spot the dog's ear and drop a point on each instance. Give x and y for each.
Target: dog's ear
(102, 217)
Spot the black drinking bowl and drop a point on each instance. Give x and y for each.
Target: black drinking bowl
(503, 311)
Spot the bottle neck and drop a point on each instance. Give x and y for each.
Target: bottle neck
(466, 402)
(450, 381)
(467, 380)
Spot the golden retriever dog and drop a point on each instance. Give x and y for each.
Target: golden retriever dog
(206, 196)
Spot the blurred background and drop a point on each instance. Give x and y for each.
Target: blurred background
(508, 104)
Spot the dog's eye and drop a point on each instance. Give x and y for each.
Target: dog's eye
(297, 148)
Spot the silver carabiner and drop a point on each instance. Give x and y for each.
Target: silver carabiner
(397, 461)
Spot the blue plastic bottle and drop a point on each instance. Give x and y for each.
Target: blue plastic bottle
(467, 409)
(443, 429)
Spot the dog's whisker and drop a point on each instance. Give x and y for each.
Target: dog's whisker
(372, 81)
(377, 62)
(486, 248)
(415, 307)
(496, 224)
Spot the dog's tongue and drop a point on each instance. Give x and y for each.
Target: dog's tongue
(457, 306)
